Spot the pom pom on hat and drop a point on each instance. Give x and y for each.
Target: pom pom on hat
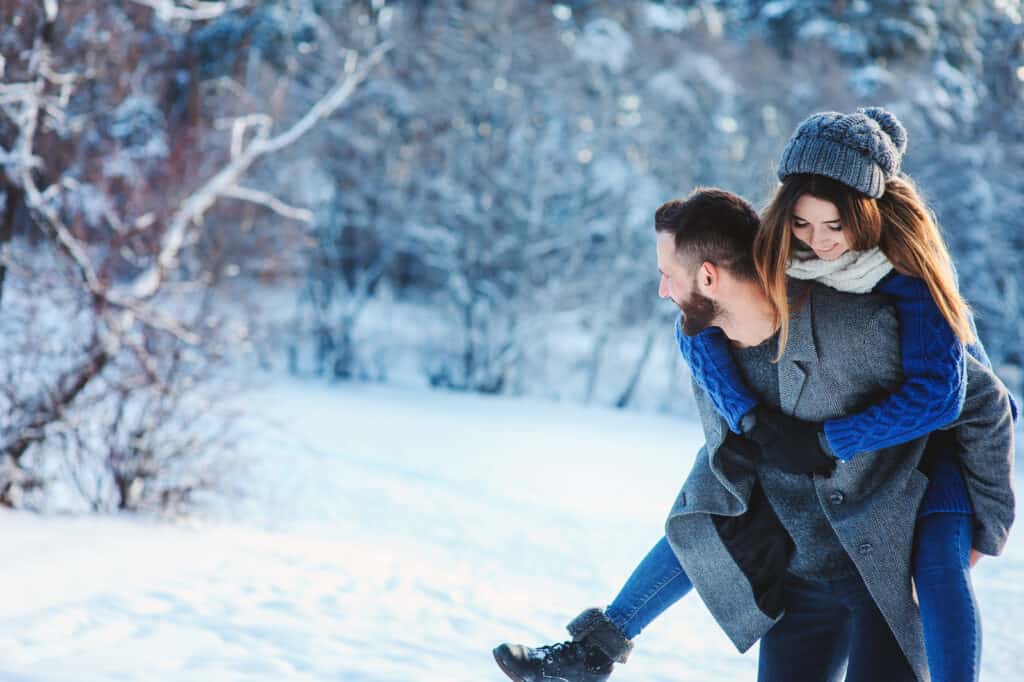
(890, 124)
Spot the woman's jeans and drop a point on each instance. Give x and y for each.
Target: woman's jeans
(949, 611)
(656, 584)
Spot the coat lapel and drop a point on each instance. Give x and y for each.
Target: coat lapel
(800, 353)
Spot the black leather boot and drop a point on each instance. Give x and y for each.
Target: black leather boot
(590, 656)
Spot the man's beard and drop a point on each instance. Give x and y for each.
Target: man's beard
(699, 313)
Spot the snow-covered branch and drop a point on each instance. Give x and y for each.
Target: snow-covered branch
(303, 215)
(191, 10)
(29, 97)
(195, 206)
(21, 160)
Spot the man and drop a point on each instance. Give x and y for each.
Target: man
(816, 565)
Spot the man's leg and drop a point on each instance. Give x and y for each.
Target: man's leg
(874, 652)
(811, 641)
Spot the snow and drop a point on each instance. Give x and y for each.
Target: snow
(668, 86)
(666, 17)
(777, 9)
(604, 41)
(962, 93)
(388, 534)
(139, 124)
(868, 79)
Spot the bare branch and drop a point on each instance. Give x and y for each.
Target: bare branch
(24, 163)
(150, 317)
(303, 215)
(51, 7)
(194, 10)
(261, 122)
(16, 92)
(66, 390)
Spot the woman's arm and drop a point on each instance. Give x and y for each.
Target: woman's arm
(935, 381)
(714, 369)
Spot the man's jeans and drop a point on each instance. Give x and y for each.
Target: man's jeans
(824, 622)
(831, 628)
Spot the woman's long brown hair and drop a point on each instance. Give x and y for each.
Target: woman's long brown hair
(899, 223)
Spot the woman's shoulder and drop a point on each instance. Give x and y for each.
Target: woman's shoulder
(903, 287)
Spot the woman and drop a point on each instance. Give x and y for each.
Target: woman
(842, 216)
(834, 221)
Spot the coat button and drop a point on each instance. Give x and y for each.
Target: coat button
(836, 498)
(865, 549)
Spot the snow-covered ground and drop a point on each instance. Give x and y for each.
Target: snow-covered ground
(389, 535)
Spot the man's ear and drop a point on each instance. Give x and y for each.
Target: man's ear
(708, 278)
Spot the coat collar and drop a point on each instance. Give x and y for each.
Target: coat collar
(800, 348)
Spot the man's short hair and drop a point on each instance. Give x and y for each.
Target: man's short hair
(712, 225)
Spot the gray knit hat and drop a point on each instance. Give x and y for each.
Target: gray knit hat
(861, 150)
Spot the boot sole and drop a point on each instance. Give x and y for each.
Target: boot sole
(504, 669)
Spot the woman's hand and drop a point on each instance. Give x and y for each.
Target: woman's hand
(789, 444)
(975, 557)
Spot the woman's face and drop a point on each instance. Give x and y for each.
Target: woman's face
(816, 223)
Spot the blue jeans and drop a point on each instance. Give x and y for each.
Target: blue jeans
(657, 583)
(828, 629)
(949, 611)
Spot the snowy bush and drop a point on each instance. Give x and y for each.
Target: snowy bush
(86, 430)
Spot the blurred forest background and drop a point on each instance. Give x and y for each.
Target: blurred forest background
(453, 193)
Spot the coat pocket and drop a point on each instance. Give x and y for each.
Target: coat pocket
(761, 547)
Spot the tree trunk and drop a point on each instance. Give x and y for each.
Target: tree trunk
(638, 370)
(14, 198)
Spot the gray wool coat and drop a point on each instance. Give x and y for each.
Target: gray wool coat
(843, 354)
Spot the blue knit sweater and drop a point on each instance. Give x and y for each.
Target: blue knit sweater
(930, 398)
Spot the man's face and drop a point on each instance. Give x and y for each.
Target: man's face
(679, 283)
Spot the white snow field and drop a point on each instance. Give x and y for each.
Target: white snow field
(390, 535)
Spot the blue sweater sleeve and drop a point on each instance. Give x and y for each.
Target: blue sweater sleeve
(978, 352)
(935, 378)
(714, 369)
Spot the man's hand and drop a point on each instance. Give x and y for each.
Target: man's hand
(789, 444)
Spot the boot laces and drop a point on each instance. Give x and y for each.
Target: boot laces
(571, 650)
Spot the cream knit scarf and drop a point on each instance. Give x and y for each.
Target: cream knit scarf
(856, 272)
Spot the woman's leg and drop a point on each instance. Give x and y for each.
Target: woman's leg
(949, 611)
(602, 638)
(657, 583)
